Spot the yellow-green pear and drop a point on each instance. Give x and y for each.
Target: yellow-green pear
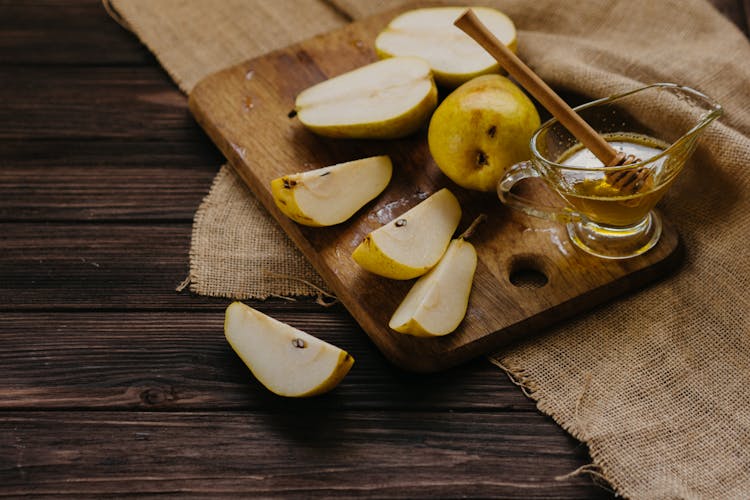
(429, 33)
(383, 100)
(330, 195)
(413, 242)
(480, 130)
(437, 302)
(287, 361)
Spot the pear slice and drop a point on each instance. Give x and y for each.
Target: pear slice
(287, 361)
(412, 243)
(383, 100)
(429, 33)
(437, 302)
(330, 195)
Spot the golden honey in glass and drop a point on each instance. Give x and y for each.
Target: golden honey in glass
(610, 210)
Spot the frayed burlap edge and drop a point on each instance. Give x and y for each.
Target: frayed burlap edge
(283, 271)
(598, 469)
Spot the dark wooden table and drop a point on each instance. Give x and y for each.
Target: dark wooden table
(112, 383)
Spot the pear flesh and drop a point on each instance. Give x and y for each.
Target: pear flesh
(412, 243)
(287, 361)
(429, 33)
(331, 195)
(384, 100)
(437, 302)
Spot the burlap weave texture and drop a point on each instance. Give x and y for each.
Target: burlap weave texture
(656, 383)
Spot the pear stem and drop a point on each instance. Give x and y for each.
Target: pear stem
(472, 227)
(470, 24)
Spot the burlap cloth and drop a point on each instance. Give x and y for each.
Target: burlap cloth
(658, 383)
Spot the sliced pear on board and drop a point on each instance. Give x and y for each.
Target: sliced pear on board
(437, 302)
(429, 33)
(412, 243)
(383, 100)
(330, 195)
(287, 361)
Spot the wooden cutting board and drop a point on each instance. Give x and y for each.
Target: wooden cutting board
(528, 276)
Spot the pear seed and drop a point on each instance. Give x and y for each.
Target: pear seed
(299, 343)
(401, 223)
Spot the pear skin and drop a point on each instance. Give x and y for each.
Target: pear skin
(480, 130)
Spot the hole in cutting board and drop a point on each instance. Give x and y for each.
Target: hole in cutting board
(527, 271)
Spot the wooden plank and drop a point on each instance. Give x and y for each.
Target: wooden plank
(188, 152)
(107, 192)
(71, 103)
(263, 144)
(70, 32)
(310, 453)
(174, 361)
(122, 266)
(94, 266)
(105, 180)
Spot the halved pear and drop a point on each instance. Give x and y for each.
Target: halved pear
(412, 243)
(383, 100)
(437, 302)
(330, 195)
(429, 33)
(287, 361)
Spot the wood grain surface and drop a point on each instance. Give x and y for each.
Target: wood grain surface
(263, 143)
(113, 385)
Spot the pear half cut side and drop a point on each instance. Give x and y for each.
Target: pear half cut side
(437, 302)
(331, 195)
(429, 33)
(413, 242)
(384, 100)
(287, 361)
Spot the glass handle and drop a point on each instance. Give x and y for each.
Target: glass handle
(526, 170)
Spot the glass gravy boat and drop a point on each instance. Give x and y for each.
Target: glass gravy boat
(609, 210)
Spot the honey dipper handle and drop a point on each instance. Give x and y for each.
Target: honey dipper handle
(470, 24)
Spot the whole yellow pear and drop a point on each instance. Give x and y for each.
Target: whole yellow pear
(480, 130)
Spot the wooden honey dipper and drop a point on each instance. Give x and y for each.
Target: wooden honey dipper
(625, 181)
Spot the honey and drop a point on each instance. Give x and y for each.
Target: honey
(608, 211)
(592, 190)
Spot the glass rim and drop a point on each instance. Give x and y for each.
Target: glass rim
(714, 111)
